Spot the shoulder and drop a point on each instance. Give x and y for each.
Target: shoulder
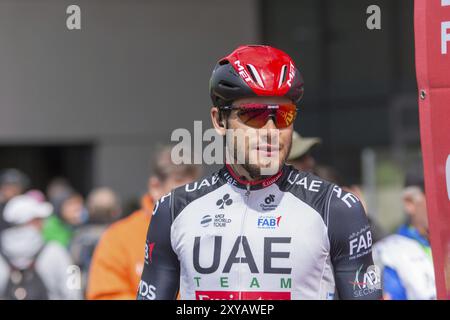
(395, 242)
(123, 227)
(390, 250)
(309, 188)
(179, 198)
(54, 252)
(136, 218)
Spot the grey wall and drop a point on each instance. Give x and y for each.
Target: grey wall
(136, 71)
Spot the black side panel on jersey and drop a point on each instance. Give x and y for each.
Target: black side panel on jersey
(350, 236)
(349, 233)
(161, 274)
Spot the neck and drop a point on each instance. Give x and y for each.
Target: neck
(423, 231)
(240, 171)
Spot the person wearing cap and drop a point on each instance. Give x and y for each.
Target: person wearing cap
(405, 257)
(300, 155)
(12, 183)
(22, 248)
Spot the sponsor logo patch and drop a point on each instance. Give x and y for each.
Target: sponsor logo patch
(206, 221)
(268, 222)
(225, 201)
(243, 295)
(147, 291)
(360, 243)
(367, 282)
(268, 204)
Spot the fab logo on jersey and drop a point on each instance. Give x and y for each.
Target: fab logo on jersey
(269, 222)
(360, 243)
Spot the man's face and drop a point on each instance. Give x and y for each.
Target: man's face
(72, 210)
(415, 205)
(262, 148)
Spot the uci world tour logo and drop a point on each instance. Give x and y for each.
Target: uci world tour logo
(225, 201)
(206, 220)
(218, 220)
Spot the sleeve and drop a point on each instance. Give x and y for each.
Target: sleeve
(108, 274)
(356, 276)
(161, 276)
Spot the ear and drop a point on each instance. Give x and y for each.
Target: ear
(219, 124)
(409, 205)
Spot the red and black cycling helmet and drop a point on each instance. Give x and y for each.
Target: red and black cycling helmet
(255, 70)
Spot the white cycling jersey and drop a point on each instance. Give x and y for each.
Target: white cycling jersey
(292, 236)
(412, 264)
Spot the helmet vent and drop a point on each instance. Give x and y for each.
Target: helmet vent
(283, 75)
(255, 75)
(223, 62)
(226, 85)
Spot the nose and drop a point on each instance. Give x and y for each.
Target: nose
(269, 127)
(270, 124)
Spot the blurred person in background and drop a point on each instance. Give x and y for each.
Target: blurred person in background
(12, 183)
(57, 188)
(36, 195)
(69, 213)
(118, 260)
(300, 156)
(30, 268)
(103, 207)
(405, 257)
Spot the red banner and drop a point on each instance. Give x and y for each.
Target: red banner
(432, 43)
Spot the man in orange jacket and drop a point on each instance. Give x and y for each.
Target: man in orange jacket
(118, 260)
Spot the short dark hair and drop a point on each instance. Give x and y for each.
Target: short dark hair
(224, 114)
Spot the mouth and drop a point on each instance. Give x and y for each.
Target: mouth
(268, 150)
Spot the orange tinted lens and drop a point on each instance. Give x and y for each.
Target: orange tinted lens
(285, 115)
(255, 117)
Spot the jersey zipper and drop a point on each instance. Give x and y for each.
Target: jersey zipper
(247, 197)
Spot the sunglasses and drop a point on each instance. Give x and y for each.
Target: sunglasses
(256, 115)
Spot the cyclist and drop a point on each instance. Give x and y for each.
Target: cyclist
(242, 234)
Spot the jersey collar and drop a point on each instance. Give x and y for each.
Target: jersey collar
(233, 178)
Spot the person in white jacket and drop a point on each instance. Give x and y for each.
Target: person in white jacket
(405, 258)
(29, 267)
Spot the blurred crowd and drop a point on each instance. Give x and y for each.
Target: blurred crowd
(56, 244)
